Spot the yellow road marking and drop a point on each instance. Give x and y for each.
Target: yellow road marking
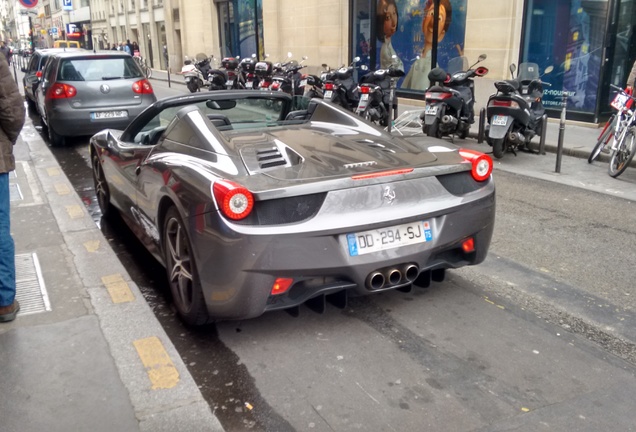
(62, 189)
(118, 289)
(75, 211)
(92, 246)
(53, 172)
(159, 367)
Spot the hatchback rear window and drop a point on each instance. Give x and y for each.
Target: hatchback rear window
(98, 69)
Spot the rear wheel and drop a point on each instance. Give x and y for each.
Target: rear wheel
(192, 86)
(183, 278)
(432, 130)
(603, 139)
(55, 139)
(623, 155)
(498, 148)
(101, 188)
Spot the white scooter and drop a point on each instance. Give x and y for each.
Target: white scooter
(192, 76)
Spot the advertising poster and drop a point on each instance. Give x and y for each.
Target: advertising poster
(404, 28)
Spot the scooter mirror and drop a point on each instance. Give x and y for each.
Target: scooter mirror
(305, 57)
(325, 65)
(356, 59)
(482, 57)
(289, 54)
(548, 69)
(513, 68)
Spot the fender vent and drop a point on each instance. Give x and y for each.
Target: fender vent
(271, 157)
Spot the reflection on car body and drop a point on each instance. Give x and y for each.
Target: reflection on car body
(253, 207)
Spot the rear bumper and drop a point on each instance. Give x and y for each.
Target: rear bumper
(237, 271)
(67, 121)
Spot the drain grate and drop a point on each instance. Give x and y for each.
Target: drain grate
(30, 289)
(15, 194)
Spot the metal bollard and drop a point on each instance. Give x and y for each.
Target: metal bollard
(169, 77)
(482, 126)
(561, 132)
(544, 129)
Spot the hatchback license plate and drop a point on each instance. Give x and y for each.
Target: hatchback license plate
(108, 114)
(499, 120)
(388, 238)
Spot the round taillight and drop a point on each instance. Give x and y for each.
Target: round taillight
(234, 200)
(482, 164)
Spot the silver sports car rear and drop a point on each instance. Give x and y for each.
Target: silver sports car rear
(253, 207)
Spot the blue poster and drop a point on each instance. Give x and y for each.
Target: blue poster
(405, 29)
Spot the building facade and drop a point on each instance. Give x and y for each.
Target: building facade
(588, 42)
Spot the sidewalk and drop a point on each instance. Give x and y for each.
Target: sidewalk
(85, 353)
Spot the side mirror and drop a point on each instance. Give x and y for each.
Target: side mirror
(548, 69)
(356, 59)
(482, 57)
(513, 68)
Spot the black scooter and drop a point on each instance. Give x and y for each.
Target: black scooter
(340, 87)
(515, 112)
(450, 100)
(376, 98)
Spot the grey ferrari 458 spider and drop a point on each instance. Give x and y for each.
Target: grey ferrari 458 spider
(252, 206)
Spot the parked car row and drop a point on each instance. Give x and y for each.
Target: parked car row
(78, 92)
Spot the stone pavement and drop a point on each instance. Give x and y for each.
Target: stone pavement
(85, 353)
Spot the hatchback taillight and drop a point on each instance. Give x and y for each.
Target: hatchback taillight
(61, 91)
(234, 200)
(142, 87)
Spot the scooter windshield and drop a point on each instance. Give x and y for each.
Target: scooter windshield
(457, 64)
(528, 72)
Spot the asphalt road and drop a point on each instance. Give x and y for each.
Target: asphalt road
(539, 337)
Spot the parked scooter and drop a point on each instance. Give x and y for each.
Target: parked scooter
(193, 74)
(450, 100)
(515, 112)
(234, 80)
(376, 96)
(287, 77)
(246, 71)
(341, 88)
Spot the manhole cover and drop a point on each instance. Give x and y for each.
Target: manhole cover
(30, 289)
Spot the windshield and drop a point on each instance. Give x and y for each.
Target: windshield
(98, 69)
(457, 64)
(528, 72)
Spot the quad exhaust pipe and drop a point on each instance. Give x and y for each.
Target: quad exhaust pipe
(386, 278)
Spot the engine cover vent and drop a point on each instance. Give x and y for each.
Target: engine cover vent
(269, 157)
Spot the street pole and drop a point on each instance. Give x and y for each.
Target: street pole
(31, 32)
(435, 33)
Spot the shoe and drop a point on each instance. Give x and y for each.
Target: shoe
(8, 313)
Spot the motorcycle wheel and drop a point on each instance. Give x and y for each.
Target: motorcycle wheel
(432, 130)
(464, 134)
(498, 148)
(193, 87)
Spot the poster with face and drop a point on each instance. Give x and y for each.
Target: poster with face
(404, 31)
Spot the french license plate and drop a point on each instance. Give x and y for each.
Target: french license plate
(108, 114)
(388, 238)
(499, 120)
(328, 94)
(364, 97)
(229, 83)
(430, 110)
(619, 101)
(303, 83)
(249, 84)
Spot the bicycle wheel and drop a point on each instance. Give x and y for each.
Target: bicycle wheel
(603, 139)
(148, 71)
(623, 155)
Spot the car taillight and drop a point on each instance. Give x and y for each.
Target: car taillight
(365, 89)
(234, 200)
(329, 86)
(281, 285)
(481, 164)
(438, 95)
(142, 87)
(61, 91)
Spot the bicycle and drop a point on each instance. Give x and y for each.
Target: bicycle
(623, 145)
(622, 103)
(147, 71)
